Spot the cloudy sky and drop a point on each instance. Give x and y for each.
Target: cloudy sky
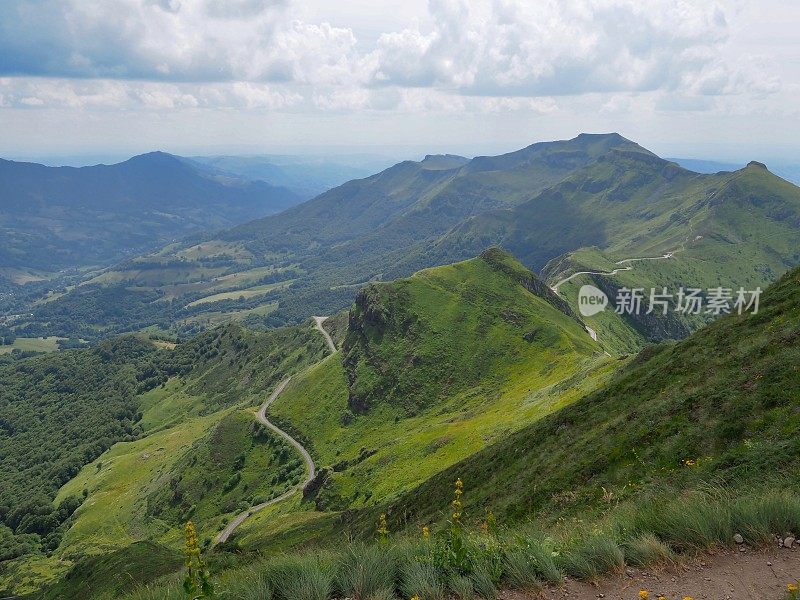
(717, 79)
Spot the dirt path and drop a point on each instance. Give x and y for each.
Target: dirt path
(318, 321)
(728, 575)
(261, 416)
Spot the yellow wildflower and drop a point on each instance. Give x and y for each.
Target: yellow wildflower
(644, 594)
(383, 528)
(196, 581)
(457, 502)
(791, 587)
(192, 547)
(415, 598)
(426, 532)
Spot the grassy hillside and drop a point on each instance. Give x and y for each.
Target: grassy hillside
(688, 444)
(157, 435)
(117, 572)
(684, 446)
(455, 358)
(719, 408)
(454, 327)
(743, 233)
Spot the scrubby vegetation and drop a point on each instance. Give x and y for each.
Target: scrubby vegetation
(57, 413)
(456, 561)
(62, 411)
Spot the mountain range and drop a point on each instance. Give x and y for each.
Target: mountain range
(455, 353)
(54, 218)
(562, 207)
(306, 176)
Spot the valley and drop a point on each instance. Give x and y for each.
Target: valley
(538, 422)
(435, 300)
(261, 416)
(197, 382)
(596, 200)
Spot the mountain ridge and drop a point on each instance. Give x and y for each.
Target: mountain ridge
(53, 218)
(541, 202)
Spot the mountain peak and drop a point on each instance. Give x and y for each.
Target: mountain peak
(595, 136)
(503, 261)
(756, 165)
(443, 161)
(156, 157)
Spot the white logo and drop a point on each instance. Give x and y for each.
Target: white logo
(591, 300)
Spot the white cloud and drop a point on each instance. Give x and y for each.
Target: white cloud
(479, 47)
(604, 63)
(212, 40)
(345, 99)
(105, 94)
(515, 47)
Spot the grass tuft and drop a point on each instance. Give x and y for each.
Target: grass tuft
(249, 583)
(158, 591)
(759, 519)
(462, 587)
(646, 549)
(419, 578)
(593, 556)
(367, 571)
(483, 582)
(520, 570)
(300, 577)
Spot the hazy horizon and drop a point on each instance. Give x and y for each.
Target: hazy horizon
(350, 154)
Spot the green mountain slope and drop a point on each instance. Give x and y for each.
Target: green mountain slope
(57, 413)
(549, 204)
(474, 370)
(715, 412)
(734, 230)
(689, 445)
(720, 408)
(122, 442)
(433, 368)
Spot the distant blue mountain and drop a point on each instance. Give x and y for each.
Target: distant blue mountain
(53, 218)
(307, 176)
(788, 171)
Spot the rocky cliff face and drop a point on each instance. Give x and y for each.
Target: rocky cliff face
(377, 310)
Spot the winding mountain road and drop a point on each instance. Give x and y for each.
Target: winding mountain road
(261, 417)
(627, 261)
(318, 321)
